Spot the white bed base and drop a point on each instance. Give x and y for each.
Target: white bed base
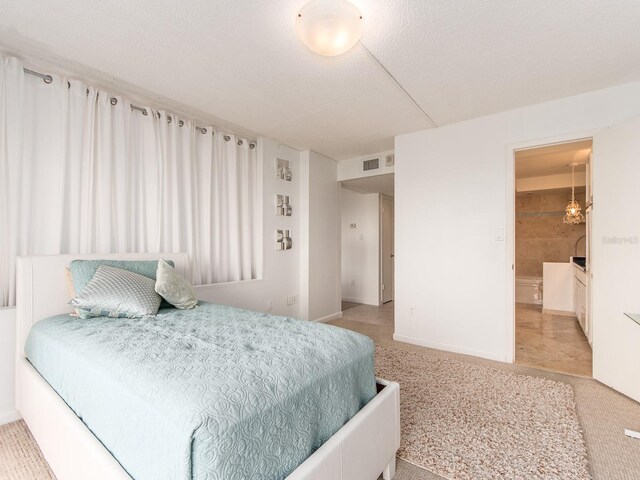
(362, 449)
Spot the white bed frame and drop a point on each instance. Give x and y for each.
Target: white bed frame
(365, 447)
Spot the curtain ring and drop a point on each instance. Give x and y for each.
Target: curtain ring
(114, 101)
(227, 138)
(169, 119)
(48, 79)
(203, 131)
(144, 112)
(252, 146)
(181, 123)
(239, 142)
(68, 83)
(158, 114)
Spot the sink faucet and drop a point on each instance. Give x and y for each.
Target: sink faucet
(575, 250)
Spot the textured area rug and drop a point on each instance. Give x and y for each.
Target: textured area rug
(466, 421)
(20, 457)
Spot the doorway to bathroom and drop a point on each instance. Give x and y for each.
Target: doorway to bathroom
(553, 204)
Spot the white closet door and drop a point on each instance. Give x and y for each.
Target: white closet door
(616, 257)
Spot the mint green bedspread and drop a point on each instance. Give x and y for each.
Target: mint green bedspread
(210, 393)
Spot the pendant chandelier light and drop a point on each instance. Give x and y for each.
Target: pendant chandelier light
(573, 215)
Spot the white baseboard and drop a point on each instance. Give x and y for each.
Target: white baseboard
(8, 417)
(328, 318)
(359, 300)
(562, 313)
(352, 300)
(447, 348)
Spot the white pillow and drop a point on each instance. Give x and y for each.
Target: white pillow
(174, 288)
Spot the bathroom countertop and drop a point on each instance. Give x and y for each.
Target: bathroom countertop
(579, 262)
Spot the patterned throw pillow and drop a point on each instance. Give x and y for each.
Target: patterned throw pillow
(114, 292)
(174, 288)
(82, 271)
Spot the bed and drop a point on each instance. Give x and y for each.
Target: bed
(183, 434)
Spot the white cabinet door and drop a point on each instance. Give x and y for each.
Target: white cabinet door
(616, 257)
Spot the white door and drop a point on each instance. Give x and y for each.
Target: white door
(615, 252)
(386, 248)
(589, 240)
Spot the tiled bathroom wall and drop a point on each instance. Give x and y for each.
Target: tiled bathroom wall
(540, 234)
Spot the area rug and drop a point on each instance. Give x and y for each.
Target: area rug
(465, 421)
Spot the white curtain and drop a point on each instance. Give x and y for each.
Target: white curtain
(81, 175)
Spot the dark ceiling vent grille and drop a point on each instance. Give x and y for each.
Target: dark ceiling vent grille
(372, 164)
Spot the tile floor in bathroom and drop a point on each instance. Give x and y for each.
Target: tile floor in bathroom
(551, 342)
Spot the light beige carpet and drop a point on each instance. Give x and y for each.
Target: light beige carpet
(466, 421)
(20, 457)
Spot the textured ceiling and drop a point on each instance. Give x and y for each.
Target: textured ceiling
(552, 159)
(239, 62)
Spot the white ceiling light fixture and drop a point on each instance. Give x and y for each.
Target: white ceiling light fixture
(329, 27)
(333, 27)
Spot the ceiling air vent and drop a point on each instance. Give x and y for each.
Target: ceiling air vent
(372, 164)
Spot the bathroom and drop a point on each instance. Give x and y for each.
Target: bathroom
(551, 229)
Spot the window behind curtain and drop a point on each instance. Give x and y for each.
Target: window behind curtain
(81, 175)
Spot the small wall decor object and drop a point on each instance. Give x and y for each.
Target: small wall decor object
(283, 170)
(279, 240)
(283, 240)
(279, 204)
(283, 205)
(287, 206)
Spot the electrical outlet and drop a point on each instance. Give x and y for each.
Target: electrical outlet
(353, 283)
(412, 311)
(269, 305)
(291, 299)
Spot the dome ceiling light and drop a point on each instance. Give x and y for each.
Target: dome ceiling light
(333, 27)
(329, 27)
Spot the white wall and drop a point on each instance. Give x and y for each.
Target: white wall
(8, 412)
(360, 247)
(320, 242)
(280, 269)
(454, 201)
(352, 168)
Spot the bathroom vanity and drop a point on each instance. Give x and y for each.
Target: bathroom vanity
(581, 294)
(566, 291)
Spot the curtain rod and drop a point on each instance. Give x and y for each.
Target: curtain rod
(114, 101)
